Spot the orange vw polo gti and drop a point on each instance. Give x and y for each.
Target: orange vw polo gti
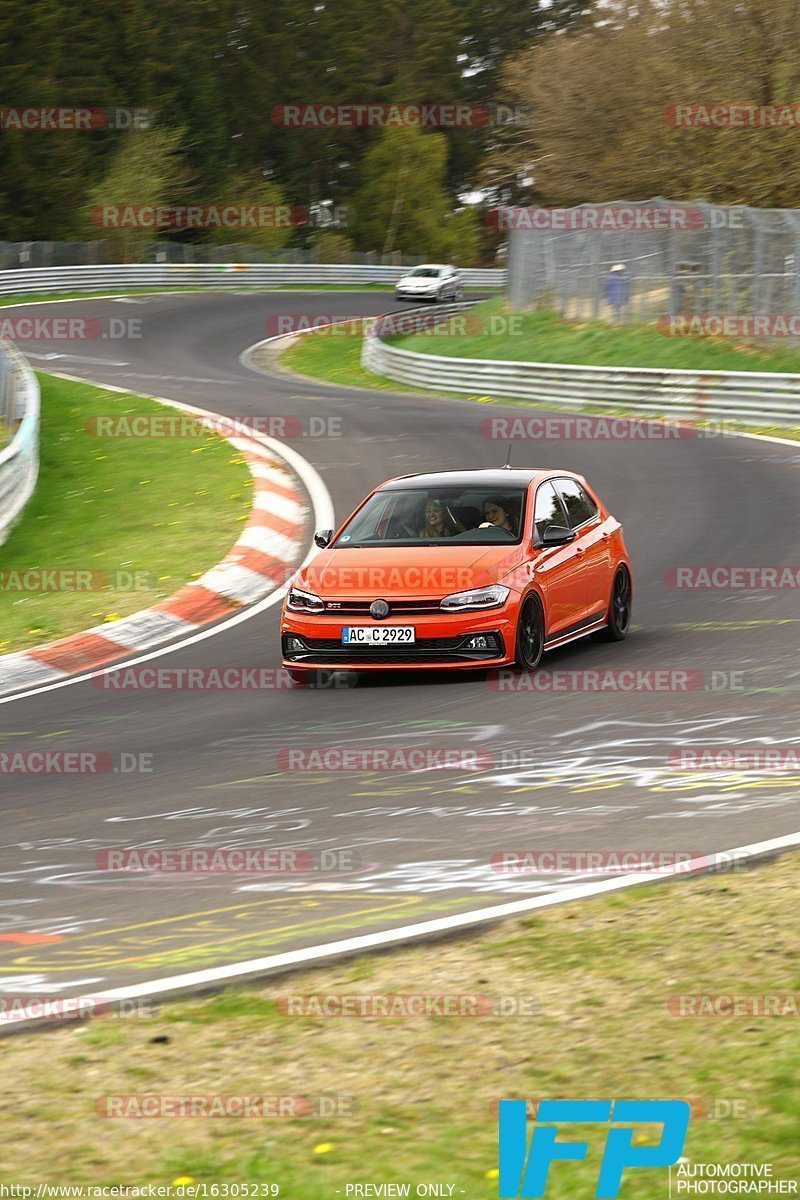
(460, 569)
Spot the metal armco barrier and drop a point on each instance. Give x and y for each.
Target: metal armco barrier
(214, 275)
(19, 459)
(738, 395)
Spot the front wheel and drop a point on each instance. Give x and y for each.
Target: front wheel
(619, 609)
(530, 636)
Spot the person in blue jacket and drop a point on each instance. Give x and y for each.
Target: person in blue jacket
(618, 291)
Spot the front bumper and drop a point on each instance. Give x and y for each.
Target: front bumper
(404, 295)
(442, 640)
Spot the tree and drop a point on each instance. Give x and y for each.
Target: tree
(601, 98)
(249, 190)
(145, 171)
(403, 204)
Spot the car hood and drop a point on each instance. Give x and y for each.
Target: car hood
(407, 572)
(417, 281)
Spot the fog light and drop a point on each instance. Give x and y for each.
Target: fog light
(478, 643)
(295, 644)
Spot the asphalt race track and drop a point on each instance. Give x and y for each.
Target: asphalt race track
(597, 773)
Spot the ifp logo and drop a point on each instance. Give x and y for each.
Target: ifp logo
(523, 1173)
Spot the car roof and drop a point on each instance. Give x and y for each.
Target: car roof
(430, 266)
(493, 477)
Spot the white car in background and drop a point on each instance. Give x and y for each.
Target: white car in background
(431, 281)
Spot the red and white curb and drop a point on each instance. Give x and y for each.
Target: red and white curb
(270, 548)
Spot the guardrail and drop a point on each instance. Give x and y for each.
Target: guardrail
(739, 395)
(19, 460)
(214, 275)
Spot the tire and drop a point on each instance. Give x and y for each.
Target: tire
(619, 609)
(529, 643)
(458, 295)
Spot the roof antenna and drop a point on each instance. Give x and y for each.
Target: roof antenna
(507, 463)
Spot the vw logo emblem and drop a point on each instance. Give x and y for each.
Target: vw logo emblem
(379, 609)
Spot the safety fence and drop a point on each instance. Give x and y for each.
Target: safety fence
(637, 261)
(19, 452)
(215, 275)
(768, 397)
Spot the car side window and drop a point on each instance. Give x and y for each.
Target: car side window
(580, 507)
(548, 510)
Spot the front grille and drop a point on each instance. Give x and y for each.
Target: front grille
(330, 651)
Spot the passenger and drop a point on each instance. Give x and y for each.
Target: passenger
(497, 512)
(439, 521)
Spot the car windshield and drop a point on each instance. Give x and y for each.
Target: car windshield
(424, 273)
(437, 516)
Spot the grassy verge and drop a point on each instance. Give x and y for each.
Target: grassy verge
(158, 510)
(335, 357)
(601, 972)
(545, 337)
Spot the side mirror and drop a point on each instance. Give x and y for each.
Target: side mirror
(557, 535)
(322, 538)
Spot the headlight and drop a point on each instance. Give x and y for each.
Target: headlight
(485, 597)
(300, 601)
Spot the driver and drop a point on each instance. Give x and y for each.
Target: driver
(497, 512)
(439, 520)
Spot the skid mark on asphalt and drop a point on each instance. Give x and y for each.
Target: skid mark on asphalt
(218, 935)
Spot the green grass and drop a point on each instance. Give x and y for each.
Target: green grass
(336, 358)
(168, 508)
(543, 336)
(602, 972)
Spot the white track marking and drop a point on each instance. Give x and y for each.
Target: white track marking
(440, 925)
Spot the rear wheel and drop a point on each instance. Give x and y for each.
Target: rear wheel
(530, 635)
(619, 609)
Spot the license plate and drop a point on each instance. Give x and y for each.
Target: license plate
(377, 635)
